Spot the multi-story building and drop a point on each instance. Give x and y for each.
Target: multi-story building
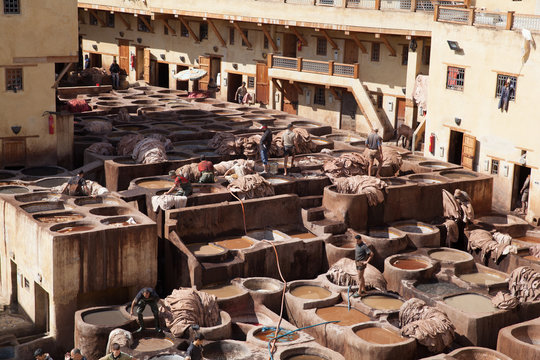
(39, 40)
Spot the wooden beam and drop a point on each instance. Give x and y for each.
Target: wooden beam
(216, 31)
(100, 20)
(269, 37)
(335, 94)
(276, 84)
(244, 37)
(303, 40)
(61, 75)
(388, 46)
(190, 31)
(298, 88)
(45, 59)
(147, 24)
(358, 43)
(332, 42)
(124, 21)
(166, 23)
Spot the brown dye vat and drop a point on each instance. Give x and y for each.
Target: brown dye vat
(70, 229)
(235, 243)
(223, 291)
(529, 239)
(310, 292)
(458, 175)
(111, 318)
(532, 258)
(447, 255)
(305, 357)
(378, 335)
(345, 316)
(302, 235)
(152, 344)
(529, 334)
(382, 302)
(482, 278)
(58, 218)
(13, 190)
(409, 264)
(204, 249)
(471, 303)
(269, 334)
(156, 184)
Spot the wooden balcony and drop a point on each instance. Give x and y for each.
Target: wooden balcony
(313, 66)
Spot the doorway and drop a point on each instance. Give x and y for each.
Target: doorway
(95, 60)
(181, 85)
(348, 111)
(520, 175)
(261, 87)
(234, 81)
(290, 98)
(41, 310)
(289, 45)
(139, 63)
(350, 54)
(123, 55)
(400, 113)
(13, 301)
(163, 75)
(455, 147)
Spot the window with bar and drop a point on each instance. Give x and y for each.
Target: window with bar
(110, 20)
(455, 78)
(92, 19)
(231, 36)
(319, 98)
(184, 31)
(501, 80)
(250, 82)
(494, 167)
(375, 51)
(12, 7)
(246, 35)
(14, 79)
(141, 26)
(322, 45)
(404, 54)
(203, 31)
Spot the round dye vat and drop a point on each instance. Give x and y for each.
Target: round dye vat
(226, 350)
(434, 165)
(415, 228)
(310, 292)
(448, 256)
(156, 184)
(13, 190)
(262, 284)
(43, 171)
(109, 318)
(377, 335)
(223, 291)
(52, 182)
(305, 357)
(77, 228)
(152, 344)
(204, 249)
(456, 174)
(301, 235)
(471, 303)
(58, 218)
(267, 334)
(110, 211)
(482, 278)
(409, 264)
(382, 302)
(439, 288)
(320, 141)
(235, 243)
(345, 316)
(529, 334)
(383, 234)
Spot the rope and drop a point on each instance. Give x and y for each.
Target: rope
(348, 298)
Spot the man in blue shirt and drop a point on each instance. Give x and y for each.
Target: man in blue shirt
(147, 296)
(362, 256)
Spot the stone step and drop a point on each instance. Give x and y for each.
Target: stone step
(314, 214)
(312, 201)
(327, 226)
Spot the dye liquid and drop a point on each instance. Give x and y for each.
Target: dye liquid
(345, 316)
(108, 318)
(378, 335)
(156, 184)
(223, 291)
(471, 303)
(410, 264)
(310, 292)
(447, 255)
(267, 334)
(382, 302)
(236, 243)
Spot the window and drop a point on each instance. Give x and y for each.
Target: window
(12, 7)
(319, 98)
(246, 35)
(231, 36)
(321, 46)
(141, 26)
(265, 42)
(14, 79)
(404, 54)
(184, 31)
(375, 51)
(203, 31)
(93, 19)
(494, 167)
(426, 53)
(110, 20)
(251, 82)
(455, 78)
(501, 80)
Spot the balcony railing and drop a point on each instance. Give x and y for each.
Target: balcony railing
(392, 5)
(313, 66)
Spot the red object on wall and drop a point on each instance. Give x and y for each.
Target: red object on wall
(299, 45)
(51, 124)
(432, 143)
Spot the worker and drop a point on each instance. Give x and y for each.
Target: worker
(147, 296)
(115, 74)
(116, 354)
(362, 256)
(240, 93)
(265, 143)
(39, 354)
(288, 147)
(525, 195)
(181, 185)
(193, 351)
(75, 354)
(76, 185)
(374, 150)
(206, 168)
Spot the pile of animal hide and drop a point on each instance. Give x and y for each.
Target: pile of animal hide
(504, 301)
(149, 151)
(250, 145)
(302, 142)
(127, 144)
(78, 106)
(95, 75)
(392, 158)
(224, 143)
(524, 284)
(190, 172)
(167, 144)
(95, 188)
(121, 337)
(123, 115)
(348, 164)
(371, 186)
(344, 273)
(428, 325)
(98, 127)
(102, 148)
(250, 187)
(535, 251)
(457, 206)
(167, 202)
(495, 245)
(452, 232)
(186, 307)
(310, 160)
(240, 167)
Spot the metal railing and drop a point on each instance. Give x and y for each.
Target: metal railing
(407, 5)
(396, 5)
(361, 4)
(530, 22)
(484, 18)
(453, 15)
(283, 62)
(313, 66)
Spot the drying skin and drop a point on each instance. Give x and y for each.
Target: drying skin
(149, 151)
(525, 284)
(392, 158)
(496, 245)
(240, 167)
(348, 164)
(344, 273)
(127, 144)
(190, 172)
(121, 337)
(535, 251)
(251, 186)
(302, 142)
(457, 206)
(102, 148)
(371, 186)
(224, 143)
(504, 301)
(98, 127)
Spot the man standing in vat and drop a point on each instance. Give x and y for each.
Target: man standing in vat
(76, 186)
(362, 256)
(288, 147)
(374, 151)
(116, 354)
(206, 168)
(265, 143)
(147, 296)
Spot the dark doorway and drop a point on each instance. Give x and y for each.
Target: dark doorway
(455, 147)
(139, 63)
(80, 65)
(520, 175)
(290, 98)
(41, 311)
(289, 45)
(350, 54)
(163, 75)
(182, 85)
(13, 301)
(348, 111)
(400, 113)
(234, 81)
(95, 60)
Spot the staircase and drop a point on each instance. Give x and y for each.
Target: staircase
(317, 219)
